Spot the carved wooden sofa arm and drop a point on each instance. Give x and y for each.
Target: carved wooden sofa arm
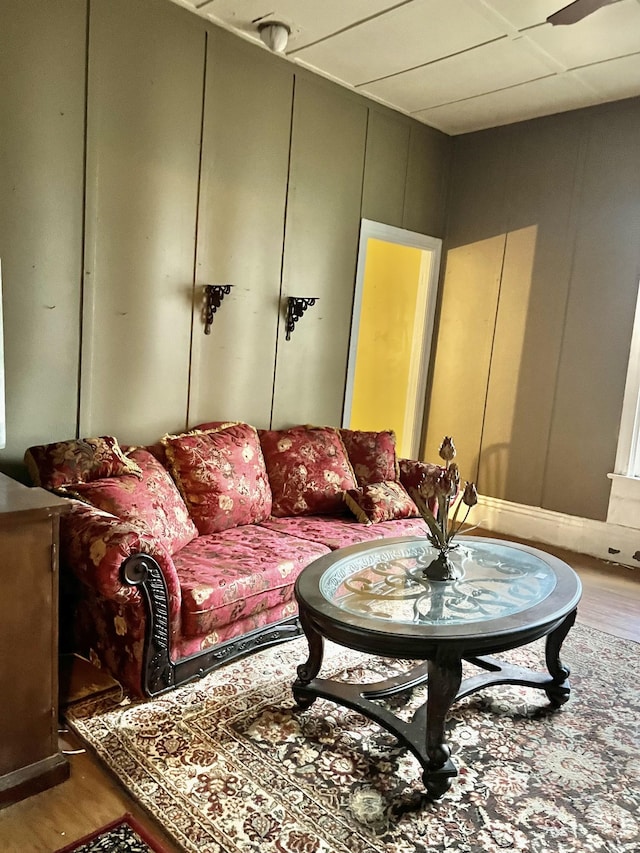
(160, 672)
(132, 578)
(132, 581)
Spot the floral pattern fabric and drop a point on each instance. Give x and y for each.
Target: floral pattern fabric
(66, 463)
(229, 763)
(372, 455)
(222, 584)
(380, 502)
(187, 646)
(94, 544)
(111, 635)
(154, 501)
(221, 475)
(232, 575)
(341, 532)
(308, 470)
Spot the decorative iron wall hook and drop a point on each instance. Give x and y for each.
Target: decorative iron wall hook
(213, 296)
(296, 306)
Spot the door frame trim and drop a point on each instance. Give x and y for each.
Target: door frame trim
(400, 236)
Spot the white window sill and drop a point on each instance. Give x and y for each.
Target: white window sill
(624, 501)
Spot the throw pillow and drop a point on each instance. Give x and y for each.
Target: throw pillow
(154, 501)
(308, 470)
(380, 502)
(372, 455)
(221, 475)
(79, 460)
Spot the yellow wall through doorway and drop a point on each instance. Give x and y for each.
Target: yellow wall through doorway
(385, 339)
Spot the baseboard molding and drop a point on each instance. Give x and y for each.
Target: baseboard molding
(611, 542)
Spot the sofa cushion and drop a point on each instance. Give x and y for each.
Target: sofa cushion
(221, 475)
(154, 501)
(372, 455)
(79, 460)
(308, 470)
(229, 576)
(340, 532)
(188, 645)
(380, 502)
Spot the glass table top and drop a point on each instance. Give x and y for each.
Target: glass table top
(386, 583)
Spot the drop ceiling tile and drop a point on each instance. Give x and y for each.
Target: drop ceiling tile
(309, 20)
(475, 72)
(613, 80)
(192, 5)
(453, 64)
(521, 15)
(611, 31)
(410, 35)
(529, 100)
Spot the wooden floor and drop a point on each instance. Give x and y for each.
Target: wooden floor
(92, 797)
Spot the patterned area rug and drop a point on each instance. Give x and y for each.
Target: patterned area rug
(229, 764)
(124, 835)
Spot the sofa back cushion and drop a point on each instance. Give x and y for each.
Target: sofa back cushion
(221, 475)
(308, 469)
(79, 460)
(153, 501)
(372, 455)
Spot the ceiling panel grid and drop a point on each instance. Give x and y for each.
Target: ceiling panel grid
(456, 65)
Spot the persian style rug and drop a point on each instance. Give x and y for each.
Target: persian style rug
(229, 764)
(124, 835)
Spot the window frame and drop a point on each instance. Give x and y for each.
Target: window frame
(628, 452)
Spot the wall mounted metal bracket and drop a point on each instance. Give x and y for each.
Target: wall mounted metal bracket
(296, 306)
(213, 296)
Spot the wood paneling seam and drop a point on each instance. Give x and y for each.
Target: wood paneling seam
(284, 233)
(572, 231)
(505, 223)
(194, 301)
(84, 215)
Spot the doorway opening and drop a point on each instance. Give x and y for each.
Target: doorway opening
(391, 333)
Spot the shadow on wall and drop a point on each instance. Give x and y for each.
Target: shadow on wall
(495, 464)
(539, 229)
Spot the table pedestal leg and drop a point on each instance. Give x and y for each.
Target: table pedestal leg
(445, 675)
(308, 670)
(558, 692)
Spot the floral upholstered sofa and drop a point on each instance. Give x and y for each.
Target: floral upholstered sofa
(184, 554)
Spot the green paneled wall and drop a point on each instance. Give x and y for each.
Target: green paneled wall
(243, 190)
(427, 181)
(527, 343)
(42, 66)
(603, 287)
(144, 119)
(320, 251)
(157, 153)
(542, 261)
(472, 264)
(208, 160)
(385, 171)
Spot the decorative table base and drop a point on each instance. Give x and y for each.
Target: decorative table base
(376, 597)
(424, 734)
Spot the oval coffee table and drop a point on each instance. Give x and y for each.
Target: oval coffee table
(374, 598)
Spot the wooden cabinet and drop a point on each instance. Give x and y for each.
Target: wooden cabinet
(29, 757)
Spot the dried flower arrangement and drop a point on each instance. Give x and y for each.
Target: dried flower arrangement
(443, 523)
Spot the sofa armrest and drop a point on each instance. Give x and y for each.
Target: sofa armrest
(94, 545)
